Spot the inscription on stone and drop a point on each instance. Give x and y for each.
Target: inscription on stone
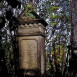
(28, 54)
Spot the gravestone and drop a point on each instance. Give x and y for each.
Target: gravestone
(31, 43)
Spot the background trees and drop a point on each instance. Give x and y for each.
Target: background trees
(58, 32)
(57, 14)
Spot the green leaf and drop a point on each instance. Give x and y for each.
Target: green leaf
(53, 16)
(51, 48)
(31, 15)
(54, 8)
(58, 35)
(34, 10)
(47, 65)
(52, 52)
(28, 6)
(59, 60)
(53, 23)
(59, 46)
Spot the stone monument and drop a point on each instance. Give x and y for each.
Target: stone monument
(31, 43)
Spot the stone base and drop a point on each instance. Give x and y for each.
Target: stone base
(29, 73)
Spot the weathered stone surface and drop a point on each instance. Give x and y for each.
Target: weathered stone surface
(31, 47)
(31, 29)
(31, 41)
(28, 56)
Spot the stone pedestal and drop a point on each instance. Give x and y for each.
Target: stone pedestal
(31, 42)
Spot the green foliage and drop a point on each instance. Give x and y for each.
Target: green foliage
(58, 35)
(29, 10)
(59, 60)
(30, 14)
(34, 10)
(54, 8)
(53, 16)
(53, 23)
(48, 65)
(28, 6)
